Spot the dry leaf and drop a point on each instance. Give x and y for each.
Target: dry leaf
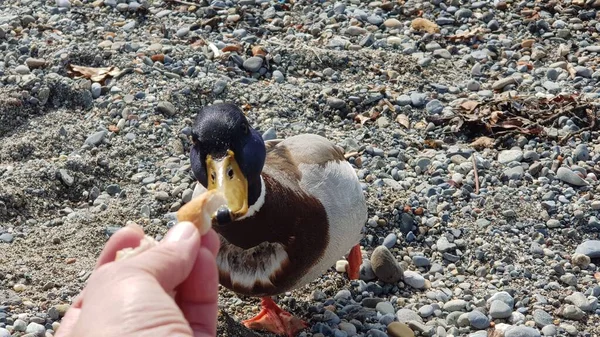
(496, 115)
(421, 24)
(483, 142)
(469, 105)
(464, 36)
(420, 125)
(571, 70)
(258, 50)
(232, 47)
(432, 143)
(402, 119)
(94, 74)
(158, 58)
(216, 52)
(362, 119)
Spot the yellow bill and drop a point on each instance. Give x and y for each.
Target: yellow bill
(225, 176)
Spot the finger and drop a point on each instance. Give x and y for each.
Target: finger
(67, 323)
(126, 237)
(211, 241)
(171, 261)
(197, 295)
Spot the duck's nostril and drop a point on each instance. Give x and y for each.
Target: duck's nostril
(223, 216)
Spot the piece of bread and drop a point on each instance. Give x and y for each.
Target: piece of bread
(198, 211)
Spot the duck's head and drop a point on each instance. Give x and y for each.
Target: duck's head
(228, 155)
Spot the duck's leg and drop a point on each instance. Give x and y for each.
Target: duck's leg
(274, 319)
(354, 262)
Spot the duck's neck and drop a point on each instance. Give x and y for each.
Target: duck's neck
(256, 196)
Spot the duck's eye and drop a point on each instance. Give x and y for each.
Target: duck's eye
(213, 176)
(245, 128)
(230, 172)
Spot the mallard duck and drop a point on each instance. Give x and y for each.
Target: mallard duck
(294, 207)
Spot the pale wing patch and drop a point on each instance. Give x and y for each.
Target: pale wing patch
(336, 186)
(255, 266)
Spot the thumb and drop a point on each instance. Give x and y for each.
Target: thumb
(171, 261)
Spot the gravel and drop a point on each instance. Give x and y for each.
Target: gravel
(404, 88)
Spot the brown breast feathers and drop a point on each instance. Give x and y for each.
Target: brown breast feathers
(265, 254)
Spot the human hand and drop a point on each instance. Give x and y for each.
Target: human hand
(134, 296)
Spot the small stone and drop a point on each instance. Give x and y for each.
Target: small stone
(549, 330)
(414, 279)
(182, 32)
(426, 310)
(166, 108)
(20, 325)
(499, 309)
(443, 245)
(19, 287)
(455, 305)
(397, 329)
(34, 63)
(253, 64)
(6, 238)
(508, 156)
(580, 260)
(392, 23)
(366, 272)
(22, 69)
(553, 223)
(385, 308)
(278, 76)
(473, 85)
(336, 103)
(390, 240)
(66, 178)
(570, 177)
(579, 300)
(161, 196)
(355, 31)
(478, 320)
(434, 107)
(521, 331)
(542, 318)
(418, 99)
(501, 83)
(590, 248)
(63, 3)
(385, 266)
(407, 315)
(35, 329)
(96, 138)
(421, 261)
(572, 312)
(514, 173)
(569, 279)
(96, 90)
(341, 265)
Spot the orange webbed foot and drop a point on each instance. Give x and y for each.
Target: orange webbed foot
(274, 319)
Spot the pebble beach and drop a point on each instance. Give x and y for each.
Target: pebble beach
(472, 126)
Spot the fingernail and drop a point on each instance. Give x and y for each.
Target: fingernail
(182, 231)
(134, 226)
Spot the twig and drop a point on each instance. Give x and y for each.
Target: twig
(566, 110)
(590, 127)
(475, 172)
(181, 2)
